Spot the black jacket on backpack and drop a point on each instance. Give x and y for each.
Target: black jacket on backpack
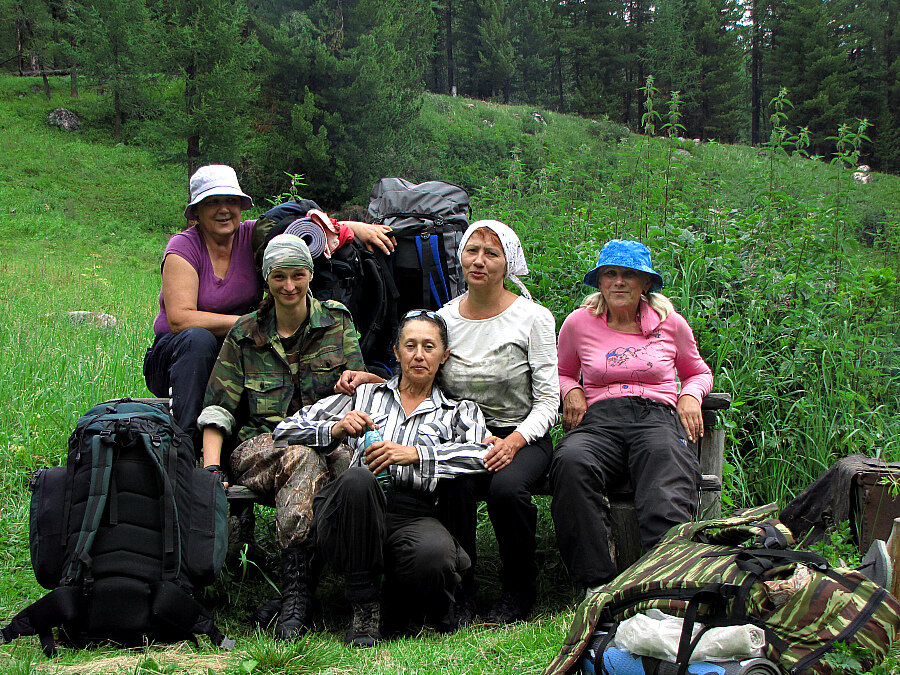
(123, 534)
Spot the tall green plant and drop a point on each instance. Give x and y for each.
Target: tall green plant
(848, 143)
(673, 127)
(649, 120)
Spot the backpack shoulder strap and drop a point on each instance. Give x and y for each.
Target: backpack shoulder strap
(61, 605)
(101, 468)
(167, 466)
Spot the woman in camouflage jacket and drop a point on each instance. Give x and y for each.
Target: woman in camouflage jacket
(272, 364)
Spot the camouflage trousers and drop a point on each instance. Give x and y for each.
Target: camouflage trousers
(291, 475)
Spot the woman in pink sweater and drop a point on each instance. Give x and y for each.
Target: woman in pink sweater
(621, 357)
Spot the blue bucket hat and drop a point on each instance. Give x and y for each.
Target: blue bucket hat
(625, 253)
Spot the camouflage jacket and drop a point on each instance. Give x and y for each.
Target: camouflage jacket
(251, 384)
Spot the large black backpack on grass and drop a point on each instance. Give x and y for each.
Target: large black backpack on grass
(726, 572)
(428, 221)
(124, 534)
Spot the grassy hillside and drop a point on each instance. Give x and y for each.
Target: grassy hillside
(785, 269)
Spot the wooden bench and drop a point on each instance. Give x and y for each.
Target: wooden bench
(625, 542)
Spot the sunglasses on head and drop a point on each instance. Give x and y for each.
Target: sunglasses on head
(416, 313)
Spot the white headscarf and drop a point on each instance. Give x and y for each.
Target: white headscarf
(512, 249)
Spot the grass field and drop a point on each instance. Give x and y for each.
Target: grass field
(792, 293)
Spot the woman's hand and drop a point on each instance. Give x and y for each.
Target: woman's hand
(574, 407)
(380, 455)
(351, 379)
(353, 425)
(501, 455)
(688, 409)
(372, 235)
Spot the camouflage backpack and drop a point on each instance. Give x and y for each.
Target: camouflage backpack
(728, 572)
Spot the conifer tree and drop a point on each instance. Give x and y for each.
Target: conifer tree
(340, 83)
(117, 46)
(809, 59)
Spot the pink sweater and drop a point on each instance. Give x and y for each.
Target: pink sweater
(612, 363)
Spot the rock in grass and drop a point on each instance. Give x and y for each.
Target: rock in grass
(79, 317)
(64, 119)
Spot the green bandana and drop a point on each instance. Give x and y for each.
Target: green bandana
(286, 250)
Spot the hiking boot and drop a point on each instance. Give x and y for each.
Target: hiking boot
(265, 614)
(296, 593)
(511, 607)
(365, 627)
(465, 610)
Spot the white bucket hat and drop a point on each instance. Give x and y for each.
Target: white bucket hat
(215, 179)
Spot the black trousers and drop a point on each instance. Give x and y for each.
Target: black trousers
(361, 533)
(512, 512)
(178, 365)
(618, 438)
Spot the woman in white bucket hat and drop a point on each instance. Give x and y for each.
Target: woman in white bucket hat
(208, 281)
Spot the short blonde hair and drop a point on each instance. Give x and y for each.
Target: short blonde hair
(660, 303)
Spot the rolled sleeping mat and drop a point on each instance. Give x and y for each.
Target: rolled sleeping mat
(618, 662)
(310, 232)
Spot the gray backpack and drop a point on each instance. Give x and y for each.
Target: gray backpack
(428, 221)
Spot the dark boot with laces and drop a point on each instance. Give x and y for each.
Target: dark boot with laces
(512, 606)
(296, 593)
(365, 627)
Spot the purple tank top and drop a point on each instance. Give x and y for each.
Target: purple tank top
(235, 294)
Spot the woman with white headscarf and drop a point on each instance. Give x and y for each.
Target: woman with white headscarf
(503, 357)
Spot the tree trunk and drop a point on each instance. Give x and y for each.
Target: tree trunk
(73, 81)
(190, 92)
(43, 67)
(451, 65)
(20, 51)
(559, 74)
(755, 69)
(117, 112)
(117, 103)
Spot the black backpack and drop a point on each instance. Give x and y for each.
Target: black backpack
(428, 221)
(124, 534)
(357, 278)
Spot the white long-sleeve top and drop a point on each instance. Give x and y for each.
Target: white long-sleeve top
(507, 364)
(445, 433)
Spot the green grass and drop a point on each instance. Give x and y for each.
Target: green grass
(800, 327)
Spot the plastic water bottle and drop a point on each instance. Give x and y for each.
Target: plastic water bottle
(384, 478)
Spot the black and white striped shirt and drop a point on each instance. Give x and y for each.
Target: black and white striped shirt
(447, 434)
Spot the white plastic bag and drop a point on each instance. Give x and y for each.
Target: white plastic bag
(657, 635)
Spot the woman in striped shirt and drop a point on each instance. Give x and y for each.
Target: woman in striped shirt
(363, 529)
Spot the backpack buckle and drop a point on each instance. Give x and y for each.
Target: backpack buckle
(33, 481)
(106, 436)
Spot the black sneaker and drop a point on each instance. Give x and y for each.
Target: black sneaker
(511, 607)
(365, 627)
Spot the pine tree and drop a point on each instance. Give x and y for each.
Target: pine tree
(209, 44)
(340, 83)
(116, 44)
(712, 107)
(811, 61)
(497, 60)
(594, 46)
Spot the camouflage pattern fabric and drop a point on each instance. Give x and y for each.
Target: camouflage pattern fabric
(252, 369)
(835, 605)
(291, 475)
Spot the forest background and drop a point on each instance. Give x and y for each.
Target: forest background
(329, 88)
(785, 268)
